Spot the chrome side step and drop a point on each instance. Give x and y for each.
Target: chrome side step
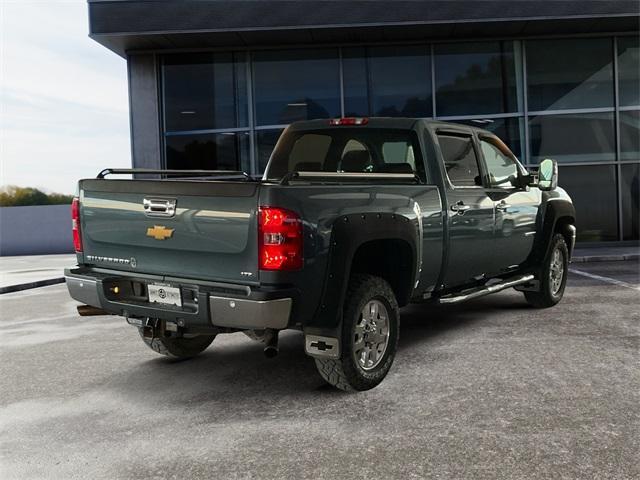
(449, 299)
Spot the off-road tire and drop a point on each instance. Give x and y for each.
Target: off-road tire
(546, 297)
(345, 373)
(178, 348)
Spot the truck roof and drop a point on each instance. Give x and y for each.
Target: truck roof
(385, 122)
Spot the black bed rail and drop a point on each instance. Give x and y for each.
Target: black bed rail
(183, 173)
(349, 176)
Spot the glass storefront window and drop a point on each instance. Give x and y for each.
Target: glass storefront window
(208, 151)
(570, 138)
(204, 91)
(593, 191)
(478, 78)
(569, 73)
(630, 135)
(265, 142)
(629, 71)
(630, 188)
(296, 85)
(392, 81)
(509, 130)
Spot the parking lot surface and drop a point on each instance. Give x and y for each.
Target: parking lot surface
(488, 389)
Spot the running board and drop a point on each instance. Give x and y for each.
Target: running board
(449, 299)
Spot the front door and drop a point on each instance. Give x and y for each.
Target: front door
(470, 211)
(516, 206)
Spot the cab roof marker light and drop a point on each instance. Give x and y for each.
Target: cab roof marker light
(349, 121)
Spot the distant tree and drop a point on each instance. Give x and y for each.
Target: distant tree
(13, 196)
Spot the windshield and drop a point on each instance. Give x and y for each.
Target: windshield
(364, 150)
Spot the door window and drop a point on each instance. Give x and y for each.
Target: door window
(460, 160)
(501, 168)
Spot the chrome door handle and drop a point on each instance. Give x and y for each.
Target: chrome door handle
(502, 206)
(159, 207)
(460, 208)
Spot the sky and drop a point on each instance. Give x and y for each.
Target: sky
(63, 97)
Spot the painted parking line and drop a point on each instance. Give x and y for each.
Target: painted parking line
(610, 280)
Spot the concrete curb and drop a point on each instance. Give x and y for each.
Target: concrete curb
(605, 258)
(29, 285)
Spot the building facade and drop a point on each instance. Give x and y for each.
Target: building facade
(212, 84)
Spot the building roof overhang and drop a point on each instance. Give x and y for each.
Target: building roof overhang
(125, 26)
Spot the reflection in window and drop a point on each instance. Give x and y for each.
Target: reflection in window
(502, 170)
(509, 130)
(265, 142)
(569, 73)
(630, 187)
(630, 135)
(629, 70)
(573, 137)
(478, 78)
(593, 191)
(387, 81)
(296, 85)
(460, 160)
(224, 151)
(204, 91)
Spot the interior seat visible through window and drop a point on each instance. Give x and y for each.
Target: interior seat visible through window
(356, 161)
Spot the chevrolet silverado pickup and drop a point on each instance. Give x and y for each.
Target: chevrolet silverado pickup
(352, 219)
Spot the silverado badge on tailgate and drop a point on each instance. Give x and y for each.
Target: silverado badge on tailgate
(160, 232)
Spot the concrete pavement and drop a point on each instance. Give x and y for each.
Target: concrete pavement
(491, 389)
(30, 271)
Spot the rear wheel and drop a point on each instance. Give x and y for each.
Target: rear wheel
(369, 336)
(182, 347)
(552, 275)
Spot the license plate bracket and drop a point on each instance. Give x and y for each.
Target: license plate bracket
(164, 294)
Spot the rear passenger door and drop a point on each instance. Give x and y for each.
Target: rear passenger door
(516, 206)
(470, 211)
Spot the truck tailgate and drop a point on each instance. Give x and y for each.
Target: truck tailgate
(211, 235)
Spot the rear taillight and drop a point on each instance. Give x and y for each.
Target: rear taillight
(349, 121)
(75, 224)
(279, 239)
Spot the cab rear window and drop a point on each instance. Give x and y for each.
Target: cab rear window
(353, 150)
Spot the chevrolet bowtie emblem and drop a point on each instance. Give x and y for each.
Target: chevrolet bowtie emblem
(160, 232)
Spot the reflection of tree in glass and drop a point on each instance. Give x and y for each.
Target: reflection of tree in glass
(205, 155)
(482, 87)
(305, 109)
(413, 107)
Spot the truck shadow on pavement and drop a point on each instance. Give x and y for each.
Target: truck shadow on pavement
(234, 375)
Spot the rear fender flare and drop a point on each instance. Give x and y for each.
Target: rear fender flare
(348, 234)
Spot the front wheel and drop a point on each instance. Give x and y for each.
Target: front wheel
(552, 275)
(182, 347)
(371, 319)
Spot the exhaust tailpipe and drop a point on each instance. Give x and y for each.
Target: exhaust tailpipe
(89, 311)
(270, 343)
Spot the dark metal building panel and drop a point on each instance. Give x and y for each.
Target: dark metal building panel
(108, 17)
(127, 25)
(144, 111)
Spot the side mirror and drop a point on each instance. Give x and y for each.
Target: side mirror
(548, 174)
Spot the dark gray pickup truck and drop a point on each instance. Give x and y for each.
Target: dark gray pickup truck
(353, 219)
